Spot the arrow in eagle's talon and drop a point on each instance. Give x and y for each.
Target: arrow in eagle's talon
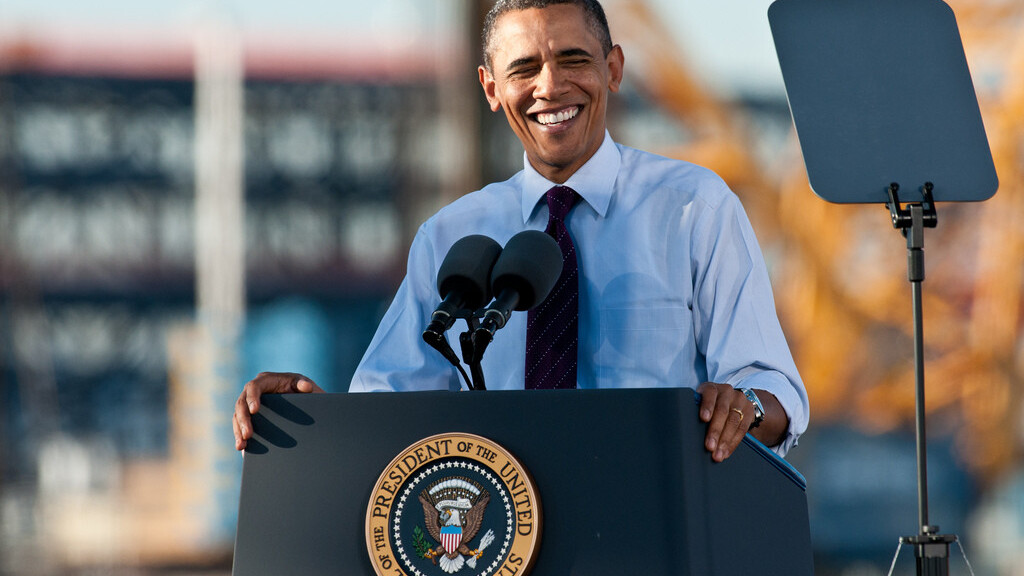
(484, 543)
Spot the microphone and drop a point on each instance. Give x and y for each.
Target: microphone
(463, 282)
(524, 274)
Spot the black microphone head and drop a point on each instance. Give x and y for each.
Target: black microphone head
(530, 264)
(467, 270)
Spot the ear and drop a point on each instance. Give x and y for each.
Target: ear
(490, 88)
(616, 62)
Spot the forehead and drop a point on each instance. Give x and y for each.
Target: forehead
(530, 32)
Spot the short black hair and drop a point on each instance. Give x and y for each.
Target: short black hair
(591, 8)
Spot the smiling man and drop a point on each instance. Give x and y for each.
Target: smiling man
(663, 283)
(551, 74)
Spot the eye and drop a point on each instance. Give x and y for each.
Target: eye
(524, 72)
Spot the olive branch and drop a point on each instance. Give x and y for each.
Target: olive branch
(419, 541)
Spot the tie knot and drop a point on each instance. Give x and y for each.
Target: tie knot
(560, 201)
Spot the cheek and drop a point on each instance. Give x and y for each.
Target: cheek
(593, 83)
(514, 103)
(516, 120)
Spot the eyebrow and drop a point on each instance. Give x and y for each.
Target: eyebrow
(568, 52)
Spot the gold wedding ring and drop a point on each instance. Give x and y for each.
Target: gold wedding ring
(738, 411)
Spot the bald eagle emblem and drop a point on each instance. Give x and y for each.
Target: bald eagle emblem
(453, 509)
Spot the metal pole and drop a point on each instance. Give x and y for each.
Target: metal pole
(915, 273)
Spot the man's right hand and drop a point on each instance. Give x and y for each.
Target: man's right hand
(249, 401)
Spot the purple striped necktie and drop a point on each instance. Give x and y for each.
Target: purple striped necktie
(552, 329)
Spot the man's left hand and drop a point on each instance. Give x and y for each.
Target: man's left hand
(729, 415)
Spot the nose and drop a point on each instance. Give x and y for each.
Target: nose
(550, 82)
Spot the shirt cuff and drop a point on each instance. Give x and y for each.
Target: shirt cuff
(780, 386)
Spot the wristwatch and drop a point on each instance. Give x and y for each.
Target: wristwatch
(758, 407)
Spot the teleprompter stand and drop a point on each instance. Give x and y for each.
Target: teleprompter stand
(881, 94)
(931, 549)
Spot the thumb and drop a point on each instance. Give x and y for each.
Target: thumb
(306, 385)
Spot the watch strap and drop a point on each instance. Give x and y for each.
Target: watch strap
(758, 407)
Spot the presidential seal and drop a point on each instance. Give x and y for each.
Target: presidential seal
(453, 504)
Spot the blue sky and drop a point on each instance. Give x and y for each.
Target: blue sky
(728, 42)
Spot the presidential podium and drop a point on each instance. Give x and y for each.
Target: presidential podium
(622, 485)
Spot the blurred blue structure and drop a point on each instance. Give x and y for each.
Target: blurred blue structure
(862, 493)
(321, 341)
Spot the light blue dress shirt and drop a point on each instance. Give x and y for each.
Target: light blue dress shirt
(673, 287)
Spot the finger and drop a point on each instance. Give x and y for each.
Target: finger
(717, 424)
(239, 442)
(251, 394)
(735, 428)
(241, 418)
(708, 395)
(306, 385)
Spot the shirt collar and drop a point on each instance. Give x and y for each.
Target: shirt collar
(594, 181)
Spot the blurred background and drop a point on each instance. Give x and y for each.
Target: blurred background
(191, 193)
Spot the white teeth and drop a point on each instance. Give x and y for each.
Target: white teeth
(558, 117)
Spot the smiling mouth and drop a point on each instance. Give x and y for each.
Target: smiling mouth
(554, 118)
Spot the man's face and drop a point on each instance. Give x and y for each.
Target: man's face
(550, 75)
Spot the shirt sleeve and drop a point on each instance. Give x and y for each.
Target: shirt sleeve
(736, 325)
(397, 358)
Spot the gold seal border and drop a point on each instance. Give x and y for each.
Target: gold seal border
(526, 507)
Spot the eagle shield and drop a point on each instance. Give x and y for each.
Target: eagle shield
(451, 537)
